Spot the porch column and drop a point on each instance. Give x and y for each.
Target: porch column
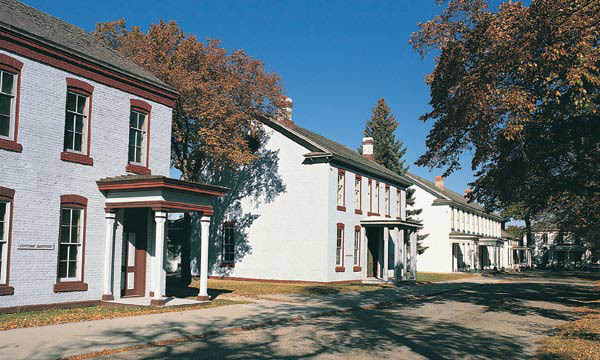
(386, 251)
(109, 241)
(405, 255)
(397, 253)
(413, 255)
(160, 218)
(204, 232)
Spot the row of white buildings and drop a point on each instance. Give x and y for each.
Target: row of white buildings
(85, 194)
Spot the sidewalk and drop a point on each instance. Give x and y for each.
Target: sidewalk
(70, 339)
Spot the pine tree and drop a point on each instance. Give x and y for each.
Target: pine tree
(389, 152)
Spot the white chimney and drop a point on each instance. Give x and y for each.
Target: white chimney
(286, 114)
(439, 182)
(367, 148)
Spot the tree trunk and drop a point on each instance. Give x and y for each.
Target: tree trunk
(186, 271)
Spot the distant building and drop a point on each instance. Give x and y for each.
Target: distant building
(555, 249)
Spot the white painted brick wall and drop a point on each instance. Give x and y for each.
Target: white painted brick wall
(39, 177)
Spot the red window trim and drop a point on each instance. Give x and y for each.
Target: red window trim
(13, 65)
(143, 107)
(85, 89)
(359, 210)
(388, 213)
(341, 207)
(78, 202)
(223, 262)
(340, 268)
(357, 268)
(8, 196)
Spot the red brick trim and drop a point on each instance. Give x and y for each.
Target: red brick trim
(62, 305)
(79, 202)
(76, 158)
(70, 286)
(73, 200)
(357, 211)
(341, 208)
(8, 195)
(13, 65)
(138, 169)
(340, 269)
(140, 105)
(372, 214)
(107, 298)
(79, 86)
(160, 205)
(63, 60)
(275, 281)
(203, 298)
(357, 269)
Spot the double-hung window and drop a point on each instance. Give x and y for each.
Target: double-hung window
(70, 246)
(357, 246)
(387, 201)
(76, 122)
(370, 190)
(6, 201)
(358, 194)
(137, 137)
(377, 196)
(228, 245)
(341, 189)
(339, 248)
(10, 79)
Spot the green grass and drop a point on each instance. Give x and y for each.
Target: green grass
(438, 277)
(60, 316)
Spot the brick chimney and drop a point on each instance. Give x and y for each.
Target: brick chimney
(468, 194)
(439, 182)
(367, 148)
(286, 114)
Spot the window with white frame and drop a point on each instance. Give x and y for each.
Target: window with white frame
(358, 193)
(452, 218)
(398, 203)
(339, 246)
(76, 122)
(357, 247)
(228, 245)
(8, 85)
(4, 223)
(137, 137)
(341, 188)
(370, 190)
(387, 201)
(70, 244)
(377, 196)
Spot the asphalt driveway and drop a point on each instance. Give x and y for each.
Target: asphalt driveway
(502, 320)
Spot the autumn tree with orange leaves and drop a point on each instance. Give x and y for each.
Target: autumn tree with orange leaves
(519, 88)
(222, 94)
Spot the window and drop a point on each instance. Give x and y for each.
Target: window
(398, 204)
(341, 196)
(387, 200)
(357, 248)
(10, 79)
(339, 248)
(370, 190)
(358, 194)
(71, 244)
(377, 196)
(228, 245)
(468, 220)
(139, 135)
(76, 145)
(6, 198)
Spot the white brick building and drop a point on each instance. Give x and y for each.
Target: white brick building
(72, 112)
(338, 218)
(459, 235)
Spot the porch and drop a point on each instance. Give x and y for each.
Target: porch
(135, 259)
(376, 235)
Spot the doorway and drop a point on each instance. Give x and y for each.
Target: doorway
(135, 240)
(372, 252)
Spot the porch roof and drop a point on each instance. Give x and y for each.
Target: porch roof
(405, 224)
(159, 193)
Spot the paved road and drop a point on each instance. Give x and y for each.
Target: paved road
(496, 321)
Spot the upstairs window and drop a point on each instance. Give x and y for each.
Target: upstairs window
(341, 189)
(228, 244)
(398, 203)
(387, 200)
(76, 122)
(10, 80)
(358, 194)
(370, 194)
(377, 196)
(137, 137)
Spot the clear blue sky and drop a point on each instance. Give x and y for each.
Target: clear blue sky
(336, 58)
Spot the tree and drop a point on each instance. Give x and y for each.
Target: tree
(520, 88)
(221, 96)
(389, 152)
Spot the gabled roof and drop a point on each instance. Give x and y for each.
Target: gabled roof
(32, 23)
(321, 147)
(447, 196)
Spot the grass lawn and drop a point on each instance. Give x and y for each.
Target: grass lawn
(60, 316)
(579, 339)
(438, 277)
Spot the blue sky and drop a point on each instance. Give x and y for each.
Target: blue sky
(336, 58)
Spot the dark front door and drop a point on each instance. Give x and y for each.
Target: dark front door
(134, 252)
(372, 252)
